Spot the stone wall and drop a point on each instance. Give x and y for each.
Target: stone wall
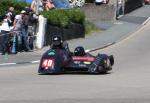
(103, 12)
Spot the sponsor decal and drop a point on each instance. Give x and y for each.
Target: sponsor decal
(77, 62)
(87, 62)
(82, 65)
(51, 53)
(84, 58)
(47, 63)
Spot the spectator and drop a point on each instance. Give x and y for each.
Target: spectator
(28, 9)
(25, 24)
(119, 11)
(34, 6)
(20, 24)
(48, 5)
(5, 29)
(11, 12)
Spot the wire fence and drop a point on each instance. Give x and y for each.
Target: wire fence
(15, 38)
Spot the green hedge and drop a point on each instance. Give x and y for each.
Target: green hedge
(63, 17)
(5, 4)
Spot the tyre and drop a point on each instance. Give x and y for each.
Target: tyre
(102, 70)
(111, 58)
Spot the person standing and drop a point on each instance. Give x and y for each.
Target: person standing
(5, 29)
(119, 11)
(21, 26)
(48, 5)
(34, 6)
(25, 23)
(11, 12)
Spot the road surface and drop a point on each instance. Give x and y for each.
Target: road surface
(128, 82)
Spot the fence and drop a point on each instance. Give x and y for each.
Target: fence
(14, 43)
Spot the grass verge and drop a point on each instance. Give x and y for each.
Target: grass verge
(90, 27)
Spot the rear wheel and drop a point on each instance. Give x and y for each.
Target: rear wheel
(111, 58)
(102, 70)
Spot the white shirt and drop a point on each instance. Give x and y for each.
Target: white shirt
(5, 25)
(18, 22)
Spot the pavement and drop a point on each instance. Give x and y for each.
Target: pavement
(115, 32)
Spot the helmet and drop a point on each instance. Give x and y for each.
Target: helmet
(79, 51)
(56, 40)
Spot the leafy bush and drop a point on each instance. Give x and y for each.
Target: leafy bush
(56, 17)
(63, 17)
(76, 16)
(5, 4)
(90, 27)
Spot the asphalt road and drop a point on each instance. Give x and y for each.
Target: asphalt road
(128, 82)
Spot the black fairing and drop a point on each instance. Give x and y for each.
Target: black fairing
(60, 58)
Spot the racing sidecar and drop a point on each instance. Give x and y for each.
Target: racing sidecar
(56, 61)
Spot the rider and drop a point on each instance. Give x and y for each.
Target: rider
(56, 42)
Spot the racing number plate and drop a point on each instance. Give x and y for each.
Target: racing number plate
(47, 63)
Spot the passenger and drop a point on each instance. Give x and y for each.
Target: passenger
(79, 51)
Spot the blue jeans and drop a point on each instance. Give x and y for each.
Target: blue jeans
(23, 40)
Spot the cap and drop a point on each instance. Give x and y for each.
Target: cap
(23, 11)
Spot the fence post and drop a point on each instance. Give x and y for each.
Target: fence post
(40, 37)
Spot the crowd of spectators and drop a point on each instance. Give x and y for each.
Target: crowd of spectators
(43, 5)
(14, 35)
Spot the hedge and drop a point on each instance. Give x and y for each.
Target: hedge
(5, 4)
(64, 17)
